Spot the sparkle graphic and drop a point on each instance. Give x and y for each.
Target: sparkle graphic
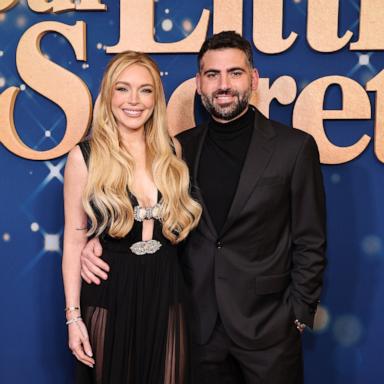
(21, 21)
(167, 25)
(52, 242)
(1, 53)
(371, 245)
(187, 25)
(35, 227)
(364, 60)
(335, 178)
(23, 87)
(47, 133)
(6, 237)
(2, 82)
(54, 171)
(347, 330)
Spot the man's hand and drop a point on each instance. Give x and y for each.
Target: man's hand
(92, 267)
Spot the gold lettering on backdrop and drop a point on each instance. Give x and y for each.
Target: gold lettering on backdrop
(57, 6)
(91, 5)
(181, 106)
(7, 4)
(228, 15)
(137, 25)
(308, 115)
(52, 81)
(377, 85)
(268, 27)
(323, 26)
(283, 89)
(54, 6)
(371, 34)
(137, 32)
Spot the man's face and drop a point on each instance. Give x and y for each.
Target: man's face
(225, 83)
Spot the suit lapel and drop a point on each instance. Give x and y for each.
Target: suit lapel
(193, 155)
(259, 154)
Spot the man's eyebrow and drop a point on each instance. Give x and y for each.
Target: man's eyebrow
(228, 70)
(211, 71)
(236, 69)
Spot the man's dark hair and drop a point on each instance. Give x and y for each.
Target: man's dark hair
(226, 39)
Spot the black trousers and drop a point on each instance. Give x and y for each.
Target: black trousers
(221, 361)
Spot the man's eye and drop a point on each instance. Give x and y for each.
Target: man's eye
(211, 75)
(236, 74)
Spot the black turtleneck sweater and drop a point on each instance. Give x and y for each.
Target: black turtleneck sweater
(222, 158)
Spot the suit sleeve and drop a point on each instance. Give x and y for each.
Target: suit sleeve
(308, 232)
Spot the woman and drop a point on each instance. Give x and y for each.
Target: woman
(127, 185)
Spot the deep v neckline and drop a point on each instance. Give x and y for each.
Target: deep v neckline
(136, 200)
(145, 223)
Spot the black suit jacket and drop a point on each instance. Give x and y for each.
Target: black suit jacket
(264, 269)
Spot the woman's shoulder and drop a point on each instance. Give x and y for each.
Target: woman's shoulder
(85, 148)
(76, 165)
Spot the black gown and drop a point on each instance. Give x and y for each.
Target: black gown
(136, 318)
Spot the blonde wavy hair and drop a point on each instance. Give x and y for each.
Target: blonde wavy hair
(110, 167)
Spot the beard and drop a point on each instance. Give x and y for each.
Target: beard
(230, 111)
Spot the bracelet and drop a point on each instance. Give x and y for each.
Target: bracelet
(71, 309)
(74, 320)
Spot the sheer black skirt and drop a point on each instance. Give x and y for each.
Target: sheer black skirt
(136, 320)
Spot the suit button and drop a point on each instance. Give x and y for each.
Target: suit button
(219, 245)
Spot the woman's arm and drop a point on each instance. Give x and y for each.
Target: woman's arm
(75, 238)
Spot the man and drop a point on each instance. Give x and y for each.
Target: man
(254, 265)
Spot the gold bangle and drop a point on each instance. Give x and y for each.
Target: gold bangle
(71, 309)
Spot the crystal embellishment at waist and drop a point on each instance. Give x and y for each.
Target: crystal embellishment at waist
(145, 247)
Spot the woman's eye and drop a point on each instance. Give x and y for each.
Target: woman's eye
(121, 89)
(147, 90)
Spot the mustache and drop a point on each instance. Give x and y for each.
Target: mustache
(226, 92)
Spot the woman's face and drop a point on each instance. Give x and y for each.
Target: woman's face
(133, 98)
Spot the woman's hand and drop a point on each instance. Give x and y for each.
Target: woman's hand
(78, 342)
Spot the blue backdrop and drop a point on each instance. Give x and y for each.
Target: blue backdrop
(346, 348)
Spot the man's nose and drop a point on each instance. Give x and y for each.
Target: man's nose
(224, 82)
